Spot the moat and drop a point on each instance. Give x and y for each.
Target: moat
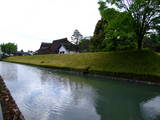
(45, 94)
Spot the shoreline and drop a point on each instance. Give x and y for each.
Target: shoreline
(130, 77)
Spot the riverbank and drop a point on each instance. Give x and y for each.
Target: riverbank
(10, 109)
(136, 65)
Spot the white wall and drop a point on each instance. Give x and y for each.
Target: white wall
(63, 49)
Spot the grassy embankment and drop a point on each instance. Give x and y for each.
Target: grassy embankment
(142, 65)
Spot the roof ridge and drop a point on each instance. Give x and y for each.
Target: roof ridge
(60, 39)
(46, 42)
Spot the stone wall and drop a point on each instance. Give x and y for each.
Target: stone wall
(10, 109)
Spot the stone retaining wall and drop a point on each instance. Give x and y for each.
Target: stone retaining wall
(10, 109)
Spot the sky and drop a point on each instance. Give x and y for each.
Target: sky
(30, 22)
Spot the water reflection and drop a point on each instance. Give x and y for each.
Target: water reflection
(43, 94)
(151, 109)
(9, 71)
(118, 100)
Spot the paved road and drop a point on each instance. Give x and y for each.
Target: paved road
(1, 118)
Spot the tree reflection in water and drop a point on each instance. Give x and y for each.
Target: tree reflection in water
(44, 94)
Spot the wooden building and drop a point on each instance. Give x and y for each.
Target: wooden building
(61, 46)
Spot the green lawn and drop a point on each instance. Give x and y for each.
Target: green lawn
(130, 63)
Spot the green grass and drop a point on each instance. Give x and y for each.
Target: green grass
(132, 64)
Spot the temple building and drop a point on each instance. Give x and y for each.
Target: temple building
(61, 46)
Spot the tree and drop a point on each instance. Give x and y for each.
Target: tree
(146, 14)
(1, 53)
(84, 45)
(112, 32)
(99, 35)
(76, 37)
(119, 34)
(9, 48)
(152, 42)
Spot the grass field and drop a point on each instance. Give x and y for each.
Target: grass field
(133, 64)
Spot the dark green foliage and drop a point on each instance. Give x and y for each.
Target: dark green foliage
(99, 35)
(112, 32)
(146, 15)
(9, 48)
(152, 42)
(84, 45)
(119, 32)
(128, 26)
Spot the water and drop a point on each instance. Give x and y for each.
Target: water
(44, 94)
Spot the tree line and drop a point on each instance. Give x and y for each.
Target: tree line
(9, 48)
(131, 24)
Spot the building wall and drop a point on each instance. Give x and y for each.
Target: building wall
(63, 50)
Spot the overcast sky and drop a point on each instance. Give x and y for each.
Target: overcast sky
(30, 22)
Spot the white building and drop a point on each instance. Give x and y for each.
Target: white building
(61, 46)
(63, 50)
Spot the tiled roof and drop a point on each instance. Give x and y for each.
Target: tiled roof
(53, 48)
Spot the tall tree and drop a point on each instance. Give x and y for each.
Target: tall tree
(146, 14)
(1, 53)
(9, 48)
(112, 32)
(99, 35)
(119, 33)
(84, 45)
(76, 37)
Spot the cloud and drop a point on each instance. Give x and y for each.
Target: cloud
(29, 22)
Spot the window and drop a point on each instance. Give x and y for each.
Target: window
(61, 52)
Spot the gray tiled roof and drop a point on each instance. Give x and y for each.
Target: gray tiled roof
(53, 48)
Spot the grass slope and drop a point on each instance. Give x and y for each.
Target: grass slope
(144, 64)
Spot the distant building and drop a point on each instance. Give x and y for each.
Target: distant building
(61, 46)
(19, 53)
